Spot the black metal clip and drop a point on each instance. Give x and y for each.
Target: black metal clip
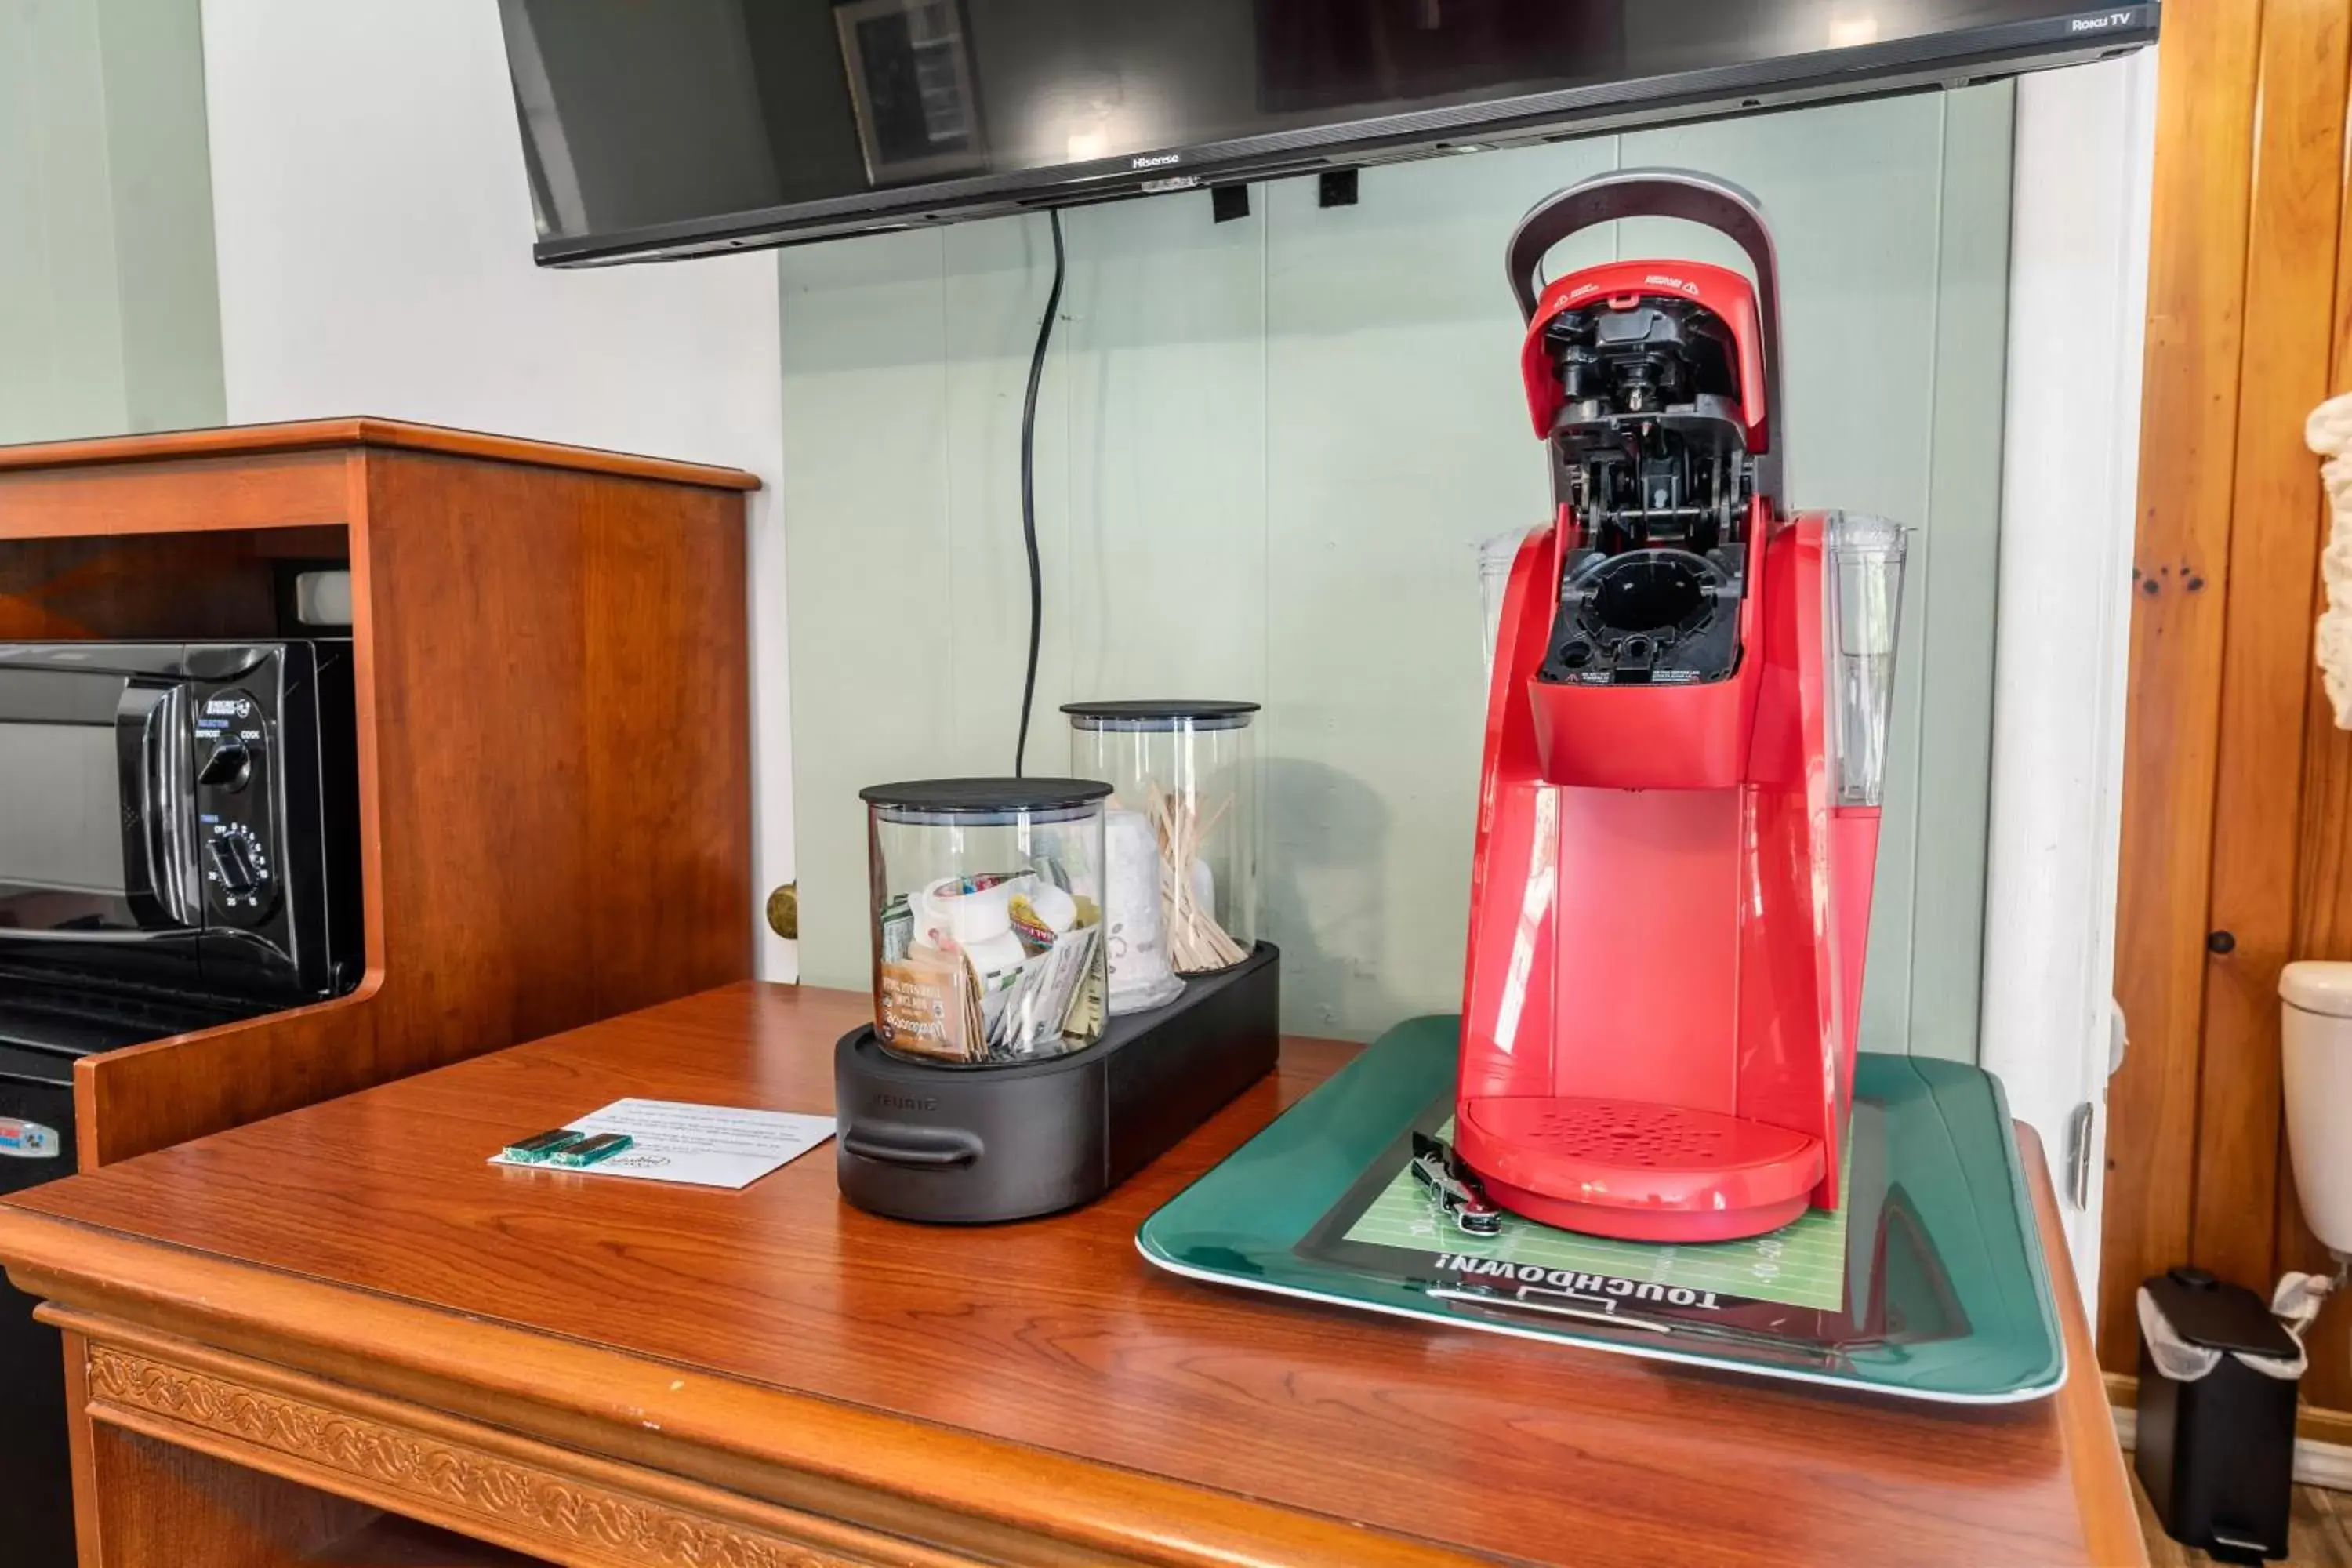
(1437, 1167)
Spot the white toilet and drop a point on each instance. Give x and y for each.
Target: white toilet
(2315, 1034)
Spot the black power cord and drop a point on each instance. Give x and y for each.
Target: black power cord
(1029, 493)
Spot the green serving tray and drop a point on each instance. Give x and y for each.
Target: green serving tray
(1929, 1283)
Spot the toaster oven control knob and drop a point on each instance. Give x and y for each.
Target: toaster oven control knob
(237, 872)
(228, 766)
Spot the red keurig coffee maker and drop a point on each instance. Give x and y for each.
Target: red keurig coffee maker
(1678, 817)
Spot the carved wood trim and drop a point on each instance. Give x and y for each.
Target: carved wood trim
(574, 1520)
(859, 1483)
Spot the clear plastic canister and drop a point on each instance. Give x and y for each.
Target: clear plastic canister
(1182, 826)
(988, 928)
(1866, 591)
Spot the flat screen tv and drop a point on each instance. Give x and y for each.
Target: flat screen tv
(667, 128)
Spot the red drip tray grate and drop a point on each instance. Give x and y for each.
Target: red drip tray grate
(1638, 1152)
(1615, 1132)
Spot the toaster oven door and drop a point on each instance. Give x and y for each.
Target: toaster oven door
(97, 864)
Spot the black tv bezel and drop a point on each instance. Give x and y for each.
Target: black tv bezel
(1897, 66)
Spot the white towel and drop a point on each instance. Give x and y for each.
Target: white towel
(2329, 432)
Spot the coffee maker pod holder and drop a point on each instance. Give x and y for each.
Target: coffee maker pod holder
(976, 1145)
(994, 1083)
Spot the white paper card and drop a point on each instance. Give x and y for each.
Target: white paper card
(703, 1145)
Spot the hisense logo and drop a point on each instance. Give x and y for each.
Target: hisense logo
(1155, 160)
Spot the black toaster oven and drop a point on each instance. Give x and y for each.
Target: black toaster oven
(180, 820)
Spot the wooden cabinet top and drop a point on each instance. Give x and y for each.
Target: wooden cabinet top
(315, 435)
(1040, 1377)
(530, 624)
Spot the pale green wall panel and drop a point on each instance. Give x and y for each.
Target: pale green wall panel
(1267, 450)
(1953, 643)
(60, 321)
(1165, 586)
(989, 329)
(870, 608)
(110, 317)
(160, 181)
(1398, 438)
(1852, 192)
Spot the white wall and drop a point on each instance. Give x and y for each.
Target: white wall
(373, 230)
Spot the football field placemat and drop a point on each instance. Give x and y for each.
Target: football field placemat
(1800, 1265)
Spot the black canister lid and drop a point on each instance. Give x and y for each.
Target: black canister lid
(1159, 713)
(2219, 1317)
(956, 798)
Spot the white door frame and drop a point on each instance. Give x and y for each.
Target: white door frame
(2084, 162)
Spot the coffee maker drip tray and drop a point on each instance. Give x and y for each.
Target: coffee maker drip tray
(1925, 1279)
(1640, 1172)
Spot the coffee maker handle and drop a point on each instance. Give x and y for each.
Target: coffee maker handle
(1656, 192)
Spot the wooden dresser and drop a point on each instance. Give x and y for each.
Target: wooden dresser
(340, 1336)
(552, 665)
